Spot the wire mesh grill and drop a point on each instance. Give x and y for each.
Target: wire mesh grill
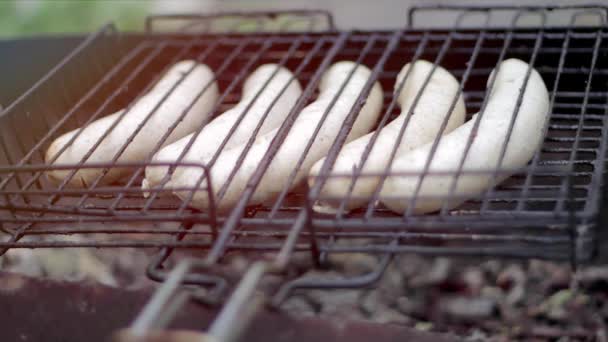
(546, 210)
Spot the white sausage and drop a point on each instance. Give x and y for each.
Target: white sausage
(424, 124)
(276, 176)
(212, 135)
(526, 138)
(150, 134)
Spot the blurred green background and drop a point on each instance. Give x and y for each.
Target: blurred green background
(34, 17)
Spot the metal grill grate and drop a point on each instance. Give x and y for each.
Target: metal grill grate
(546, 210)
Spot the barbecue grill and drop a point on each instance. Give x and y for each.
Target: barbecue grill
(551, 209)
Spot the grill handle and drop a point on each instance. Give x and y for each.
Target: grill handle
(127, 335)
(233, 319)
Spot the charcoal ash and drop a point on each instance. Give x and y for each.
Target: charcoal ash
(487, 300)
(300, 305)
(124, 267)
(493, 300)
(467, 308)
(115, 267)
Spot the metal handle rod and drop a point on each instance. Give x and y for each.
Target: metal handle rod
(240, 308)
(161, 297)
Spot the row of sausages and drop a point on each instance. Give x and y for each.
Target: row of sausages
(168, 119)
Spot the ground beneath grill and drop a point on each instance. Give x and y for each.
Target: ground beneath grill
(488, 300)
(37, 310)
(479, 300)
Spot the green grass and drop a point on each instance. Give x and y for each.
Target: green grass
(32, 17)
